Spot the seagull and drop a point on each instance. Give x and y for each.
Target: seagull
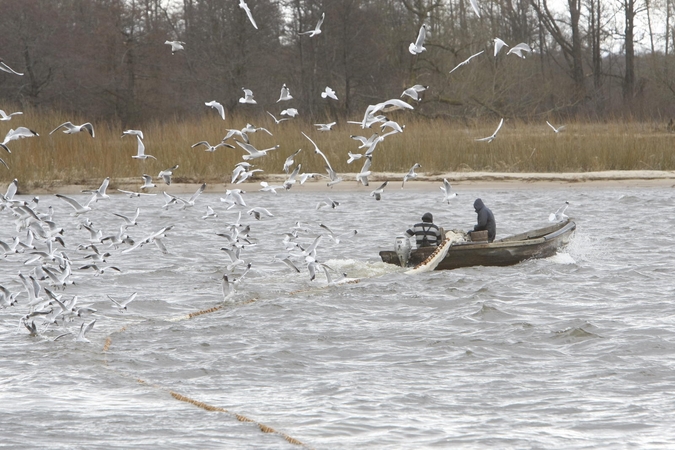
(4, 116)
(393, 125)
(218, 107)
(411, 173)
(133, 194)
(474, 5)
(191, 200)
(248, 97)
(133, 133)
(466, 61)
(336, 237)
(243, 174)
(365, 171)
(417, 47)
(286, 260)
(285, 94)
(252, 129)
(324, 126)
(559, 215)
(498, 45)
(266, 187)
(494, 135)
(140, 150)
(226, 287)
(278, 121)
(5, 68)
(122, 304)
(166, 174)
(99, 193)
(556, 130)
(69, 128)
(317, 29)
(79, 208)
(519, 49)
(290, 160)
(446, 191)
(244, 6)
(210, 213)
(291, 178)
(130, 221)
(353, 157)
(19, 133)
(391, 104)
(415, 91)
(377, 193)
(212, 148)
(147, 182)
(254, 152)
(258, 212)
(84, 329)
(329, 93)
(237, 133)
(175, 46)
(292, 112)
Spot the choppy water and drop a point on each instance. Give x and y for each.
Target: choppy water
(574, 351)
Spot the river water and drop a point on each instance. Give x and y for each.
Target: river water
(573, 351)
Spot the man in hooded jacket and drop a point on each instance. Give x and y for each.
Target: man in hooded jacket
(485, 219)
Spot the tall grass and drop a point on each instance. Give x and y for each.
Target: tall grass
(439, 145)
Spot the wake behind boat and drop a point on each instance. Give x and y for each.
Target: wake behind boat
(539, 243)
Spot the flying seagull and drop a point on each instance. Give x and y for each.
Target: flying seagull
(212, 148)
(244, 6)
(5, 68)
(494, 135)
(217, 106)
(324, 126)
(466, 61)
(377, 193)
(559, 215)
(248, 97)
(317, 29)
(166, 174)
(415, 91)
(411, 174)
(140, 149)
(519, 49)
(19, 133)
(285, 94)
(556, 130)
(417, 47)
(446, 188)
(69, 128)
(329, 93)
(175, 46)
(474, 5)
(278, 121)
(498, 45)
(4, 116)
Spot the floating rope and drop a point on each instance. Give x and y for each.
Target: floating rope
(264, 428)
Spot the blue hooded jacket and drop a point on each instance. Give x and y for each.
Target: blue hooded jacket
(485, 219)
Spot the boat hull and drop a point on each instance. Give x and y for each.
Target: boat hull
(540, 243)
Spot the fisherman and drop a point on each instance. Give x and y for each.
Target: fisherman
(485, 219)
(427, 234)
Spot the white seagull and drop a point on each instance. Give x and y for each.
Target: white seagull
(99, 193)
(218, 107)
(329, 93)
(84, 329)
(254, 152)
(377, 193)
(324, 126)
(291, 112)
(175, 46)
(556, 130)
(391, 104)
(247, 10)
(317, 29)
(122, 304)
(415, 91)
(519, 49)
(212, 148)
(5, 68)
(290, 160)
(133, 133)
(147, 182)
(79, 208)
(447, 194)
(140, 150)
(498, 45)
(259, 211)
(365, 172)
(411, 174)
(474, 5)
(4, 116)
(417, 47)
(559, 215)
(69, 128)
(494, 135)
(19, 133)
(248, 97)
(466, 61)
(166, 174)
(285, 94)
(278, 121)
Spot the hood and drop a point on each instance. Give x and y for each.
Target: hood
(478, 204)
(427, 217)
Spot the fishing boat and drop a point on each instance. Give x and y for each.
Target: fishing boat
(539, 243)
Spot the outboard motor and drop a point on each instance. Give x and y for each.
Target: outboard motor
(403, 249)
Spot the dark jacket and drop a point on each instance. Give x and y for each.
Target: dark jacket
(485, 219)
(427, 234)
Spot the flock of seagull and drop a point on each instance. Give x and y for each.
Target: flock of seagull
(52, 260)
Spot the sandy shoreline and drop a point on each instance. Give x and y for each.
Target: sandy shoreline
(424, 181)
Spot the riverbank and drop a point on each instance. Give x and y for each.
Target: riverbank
(424, 181)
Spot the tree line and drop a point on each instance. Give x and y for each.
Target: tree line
(107, 59)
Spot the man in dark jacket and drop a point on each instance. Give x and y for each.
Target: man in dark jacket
(427, 234)
(485, 219)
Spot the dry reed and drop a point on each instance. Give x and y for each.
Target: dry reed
(439, 145)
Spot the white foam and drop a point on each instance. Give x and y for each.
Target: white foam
(562, 258)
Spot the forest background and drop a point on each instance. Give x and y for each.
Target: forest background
(603, 64)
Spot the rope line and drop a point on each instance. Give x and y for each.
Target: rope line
(205, 406)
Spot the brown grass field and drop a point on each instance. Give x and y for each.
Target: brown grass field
(439, 145)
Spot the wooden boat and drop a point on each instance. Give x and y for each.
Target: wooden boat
(540, 243)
